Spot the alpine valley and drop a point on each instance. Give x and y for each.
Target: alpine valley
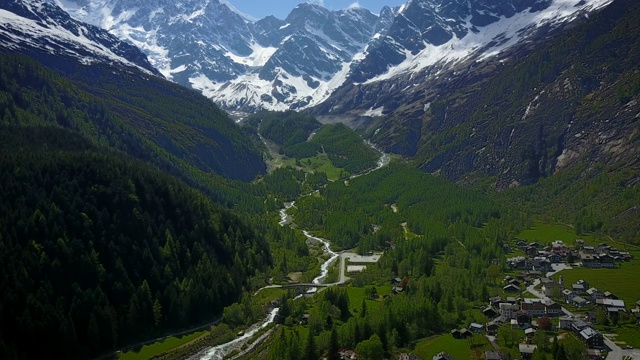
(446, 179)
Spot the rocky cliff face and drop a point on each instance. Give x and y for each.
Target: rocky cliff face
(533, 111)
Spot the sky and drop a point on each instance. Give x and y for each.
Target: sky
(281, 8)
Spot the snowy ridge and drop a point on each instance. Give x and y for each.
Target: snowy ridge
(35, 25)
(299, 62)
(491, 39)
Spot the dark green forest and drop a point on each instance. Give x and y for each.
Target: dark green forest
(178, 130)
(100, 251)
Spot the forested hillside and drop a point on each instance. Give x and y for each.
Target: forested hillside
(151, 119)
(99, 251)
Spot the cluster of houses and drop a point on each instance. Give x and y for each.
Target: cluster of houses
(540, 257)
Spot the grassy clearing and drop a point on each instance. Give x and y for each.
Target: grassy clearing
(356, 295)
(318, 163)
(629, 334)
(545, 233)
(457, 348)
(160, 347)
(622, 281)
(268, 295)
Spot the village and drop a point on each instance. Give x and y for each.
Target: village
(542, 301)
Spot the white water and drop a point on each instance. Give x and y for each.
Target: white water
(324, 269)
(222, 350)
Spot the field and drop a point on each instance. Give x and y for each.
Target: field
(622, 281)
(545, 233)
(319, 163)
(457, 348)
(160, 347)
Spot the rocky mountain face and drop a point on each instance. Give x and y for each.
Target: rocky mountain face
(535, 110)
(46, 32)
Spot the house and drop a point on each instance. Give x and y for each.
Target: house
(526, 350)
(578, 288)
(579, 301)
(442, 356)
(567, 295)
(495, 301)
(396, 281)
(456, 334)
(508, 311)
(533, 307)
(565, 322)
(592, 338)
(492, 328)
(511, 288)
(529, 332)
(610, 303)
(595, 294)
(465, 333)
(514, 324)
(606, 261)
(524, 319)
(475, 327)
(492, 355)
(490, 312)
(609, 295)
(550, 287)
(579, 325)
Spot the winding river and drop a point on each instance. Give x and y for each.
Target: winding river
(219, 352)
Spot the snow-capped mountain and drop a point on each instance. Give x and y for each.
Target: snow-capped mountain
(312, 56)
(42, 29)
(238, 62)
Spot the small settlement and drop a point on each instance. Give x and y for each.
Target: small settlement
(529, 311)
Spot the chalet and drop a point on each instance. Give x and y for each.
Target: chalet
(565, 322)
(579, 325)
(592, 338)
(589, 249)
(465, 333)
(567, 295)
(495, 301)
(493, 355)
(456, 334)
(524, 319)
(550, 287)
(475, 327)
(536, 245)
(508, 311)
(511, 300)
(610, 303)
(556, 258)
(579, 301)
(396, 281)
(533, 307)
(492, 328)
(442, 356)
(490, 312)
(514, 282)
(578, 288)
(606, 261)
(609, 295)
(526, 350)
(529, 332)
(552, 308)
(595, 294)
(511, 288)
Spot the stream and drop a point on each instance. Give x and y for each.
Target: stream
(219, 352)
